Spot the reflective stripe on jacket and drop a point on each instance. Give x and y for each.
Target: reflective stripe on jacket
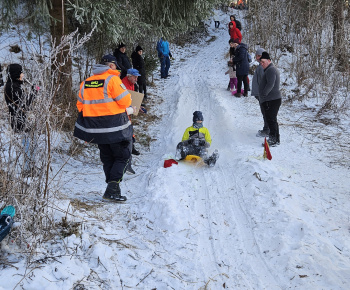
(101, 104)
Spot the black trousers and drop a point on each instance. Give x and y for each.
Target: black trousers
(142, 87)
(245, 82)
(115, 158)
(271, 110)
(266, 125)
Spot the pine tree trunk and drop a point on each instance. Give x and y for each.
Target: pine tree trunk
(339, 32)
(59, 27)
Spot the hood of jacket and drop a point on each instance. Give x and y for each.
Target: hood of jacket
(98, 69)
(242, 45)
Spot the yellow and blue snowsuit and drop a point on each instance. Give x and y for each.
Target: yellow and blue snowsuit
(195, 141)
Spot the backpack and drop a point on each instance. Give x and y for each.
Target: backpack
(159, 47)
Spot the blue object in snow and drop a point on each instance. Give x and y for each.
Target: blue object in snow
(6, 221)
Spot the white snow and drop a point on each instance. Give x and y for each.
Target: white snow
(247, 223)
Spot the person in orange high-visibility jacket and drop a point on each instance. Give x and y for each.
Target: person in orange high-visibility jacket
(102, 120)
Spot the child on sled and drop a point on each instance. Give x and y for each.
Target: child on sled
(195, 141)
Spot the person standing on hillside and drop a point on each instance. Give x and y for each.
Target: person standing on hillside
(123, 61)
(238, 23)
(270, 97)
(103, 120)
(259, 71)
(242, 67)
(139, 64)
(234, 32)
(19, 104)
(164, 55)
(216, 20)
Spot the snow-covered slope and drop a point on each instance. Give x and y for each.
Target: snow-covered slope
(247, 223)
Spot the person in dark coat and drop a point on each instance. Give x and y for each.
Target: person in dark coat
(122, 59)
(242, 67)
(238, 23)
(270, 97)
(17, 102)
(139, 64)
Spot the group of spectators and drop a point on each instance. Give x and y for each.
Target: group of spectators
(265, 84)
(138, 63)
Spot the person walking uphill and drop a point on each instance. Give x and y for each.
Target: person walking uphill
(164, 54)
(103, 120)
(270, 97)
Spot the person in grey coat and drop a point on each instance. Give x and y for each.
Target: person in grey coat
(270, 97)
(259, 71)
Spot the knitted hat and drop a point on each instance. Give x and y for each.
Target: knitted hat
(14, 71)
(259, 51)
(121, 45)
(265, 55)
(197, 116)
(138, 48)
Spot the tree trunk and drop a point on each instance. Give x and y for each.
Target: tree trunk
(339, 32)
(59, 27)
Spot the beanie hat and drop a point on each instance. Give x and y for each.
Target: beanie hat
(121, 45)
(14, 71)
(265, 55)
(138, 48)
(197, 116)
(259, 51)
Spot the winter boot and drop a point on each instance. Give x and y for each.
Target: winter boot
(134, 151)
(212, 159)
(262, 133)
(237, 95)
(113, 193)
(129, 169)
(272, 141)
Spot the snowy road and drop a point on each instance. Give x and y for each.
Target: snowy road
(247, 223)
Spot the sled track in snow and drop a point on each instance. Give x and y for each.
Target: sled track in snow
(241, 264)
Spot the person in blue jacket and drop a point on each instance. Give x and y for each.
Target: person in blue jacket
(164, 55)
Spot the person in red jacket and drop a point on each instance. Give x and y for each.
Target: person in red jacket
(131, 79)
(234, 32)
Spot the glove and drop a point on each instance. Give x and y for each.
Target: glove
(202, 143)
(190, 141)
(170, 55)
